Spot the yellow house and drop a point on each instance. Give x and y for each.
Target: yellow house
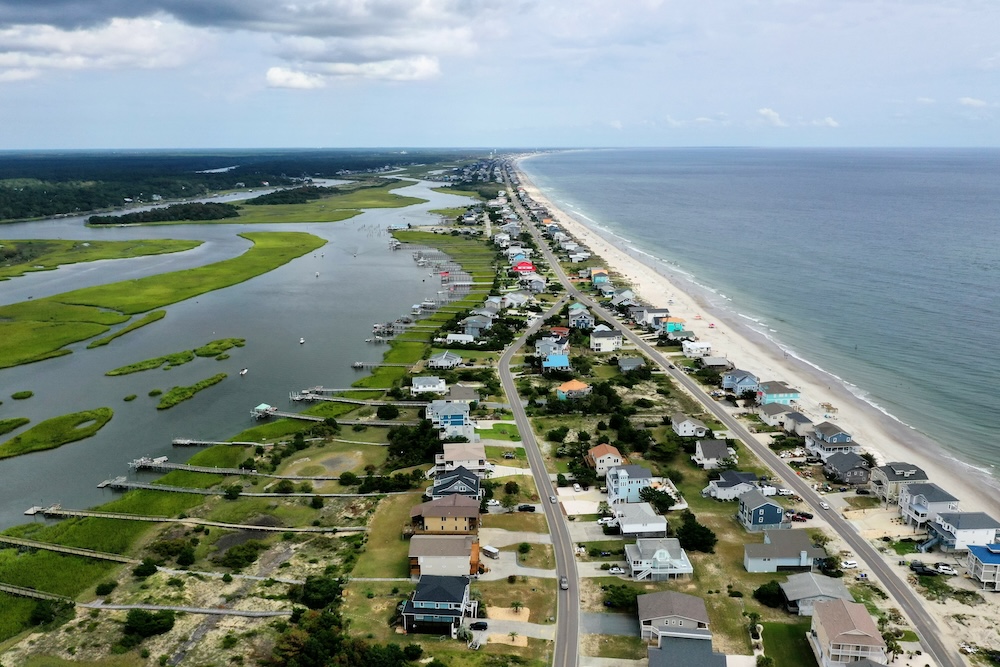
(453, 514)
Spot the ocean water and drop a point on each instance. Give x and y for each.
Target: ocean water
(881, 267)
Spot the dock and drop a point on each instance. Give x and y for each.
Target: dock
(158, 465)
(377, 364)
(191, 442)
(263, 411)
(122, 484)
(309, 396)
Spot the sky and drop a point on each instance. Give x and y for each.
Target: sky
(130, 74)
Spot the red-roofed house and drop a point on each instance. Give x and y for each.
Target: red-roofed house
(523, 267)
(603, 457)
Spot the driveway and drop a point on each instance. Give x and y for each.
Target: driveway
(507, 564)
(498, 537)
(598, 623)
(588, 531)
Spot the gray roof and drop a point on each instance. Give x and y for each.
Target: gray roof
(630, 363)
(685, 652)
(932, 492)
(798, 418)
(432, 588)
(714, 361)
(777, 387)
(680, 418)
(441, 545)
(968, 520)
(605, 334)
(637, 513)
(634, 471)
(646, 548)
(671, 603)
(772, 409)
(755, 498)
(898, 471)
(784, 544)
(739, 374)
(845, 461)
(446, 356)
(729, 478)
(828, 430)
(714, 449)
(461, 392)
(810, 585)
(426, 381)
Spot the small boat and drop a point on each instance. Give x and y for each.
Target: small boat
(301, 341)
(317, 274)
(244, 371)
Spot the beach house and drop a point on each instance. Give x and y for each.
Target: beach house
(887, 481)
(459, 481)
(843, 632)
(639, 520)
(757, 513)
(475, 325)
(772, 414)
(581, 319)
(453, 419)
(828, 439)
(428, 384)
(445, 360)
(709, 454)
(551, 344)
(803, 590)
(438, 605)
(782, 550)
(687, 427)
(951, 532)
(674, 325)
(774, 391)
(599, 275)
(443, 555)
(657, 559)
(696, 348)
(623, 298)
(672, 614)
(730, 485)
(796, 423)
(572, 389)
(608, 340)
(625, 482)
(847, 468)
(454, 514)
(603, 457)
(740, 381)
(983, 565)
(921, 502)
(628, 364)
(469, 455)
(556, 362)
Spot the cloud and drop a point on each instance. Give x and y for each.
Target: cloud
(616, 124)
(280, 77)
(825, 122)
(926, 100)
(972, 102)
(772, 117)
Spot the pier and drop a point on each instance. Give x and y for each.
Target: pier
(263, 411)
(21, 591)
(75, 551)
(122, 484)
(377, 364)
(308, 396)
(191, 442)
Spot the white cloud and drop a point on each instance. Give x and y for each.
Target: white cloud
(926, 100)
(772, 117)
(280, 77)
(416, 68)
(825, 122)
(616, 124)
(972, 102)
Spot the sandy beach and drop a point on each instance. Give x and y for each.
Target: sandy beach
(880, 434)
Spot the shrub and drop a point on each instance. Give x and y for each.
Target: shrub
(105, 588)
(770, 595)
(144, 569)
(21, 395)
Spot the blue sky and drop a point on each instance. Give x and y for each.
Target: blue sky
(485, 73)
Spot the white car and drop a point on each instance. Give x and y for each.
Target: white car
(944, 568)
(606, 521)
(825, 505)
(849, 565)
(493, 502)
(616, 570)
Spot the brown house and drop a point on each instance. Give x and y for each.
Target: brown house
(443, 555)
(450, 515)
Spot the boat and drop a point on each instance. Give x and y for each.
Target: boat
(301, 341)
(244, 371)
(317, 274)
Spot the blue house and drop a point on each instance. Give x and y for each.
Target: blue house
(739, 381)
(625, 482)
(438, 605)
(758, 512)
(581, 319)
(776, 392)
(459, 482)
(556, 362)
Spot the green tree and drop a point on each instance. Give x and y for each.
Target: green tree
(508, 502)
(387, 412)
(770, 594)
(511, 488)
(694, 536)
(145, 569)
(661, 500)
(233, 491)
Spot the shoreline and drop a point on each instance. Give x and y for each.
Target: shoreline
(877, 430)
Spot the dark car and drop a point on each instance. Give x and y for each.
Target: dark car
(862, 491)
(478, 625)
(806, 515)
(525, 508)
(798, 517)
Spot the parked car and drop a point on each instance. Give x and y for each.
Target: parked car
(616, 570)
(525, 508)
(862, 491)
(606, 521)
(945, 568)
(798, 517)
(848, 565)
(478, 625)
(806, 515)
(861, 576)
(493, 502)
(576, 487)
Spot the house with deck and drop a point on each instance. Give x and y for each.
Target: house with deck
(782, 550)
(921, 502)
(459, 482)
(687, 427)
(603, 457)
(608, 340)
(581, 319)
(672, 614)
(475, 325)
(828, 439)
(444, 555)
(438, 605)
(626, 481)
(796, 423)
(551, 345)
(556, 362)
(739, 381)
(573, 389)
(453, 419)
(774, 391)
(730, 485)
(710, 454)
(639, 520)
(887, 481)
(468, 455)
(757, 512)
(450, 515)
(657, 559)
(953, 532)
(983, 565)
(847, 468)
(843, 633)
(446, 360)
(803, 590)
(696, 349)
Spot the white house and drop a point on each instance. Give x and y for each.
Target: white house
(709, 454)
(428, 384)
(731, 485)
(921, 502)
(657, 559)
(955, 531)
(696, 348)
(773, 414)
(470, 455)
(687, 427)
(843, 633)
(445, 360)
(605, 341)
(640, 520)
(983, 564)
(603, 457)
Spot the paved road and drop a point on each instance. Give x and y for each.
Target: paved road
(924, 623)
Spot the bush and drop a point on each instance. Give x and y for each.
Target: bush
(524, 548)
(145, 569)
(241, 555)
(21, 395)
(140, 624)
(770, 595)
(387, 412)
(105, 588)
(511, 488)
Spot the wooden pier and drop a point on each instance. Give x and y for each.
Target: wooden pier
(122, 484)
(48, 546)
(264, 411)
(158, 465)
(191, 442)
(377, 364)
(21, 591)
(307, 396)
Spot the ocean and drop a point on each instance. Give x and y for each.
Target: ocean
(879, 267)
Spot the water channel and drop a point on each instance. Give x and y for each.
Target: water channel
(359, 282)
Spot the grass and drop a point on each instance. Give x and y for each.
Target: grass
(522, 521)
(48, 254)
(214, 348)
(904, 547)
(538, 595)
(863, 502)
(40, 329)
(22, 395)
(614, 646)
(449, 213)
(57, 432)
(386, 551)
(501, 432)
(787, 644)
(371, 615)
(149, 318)
(180, 394)
(541, 555)
(8, 425)
(333, 208)
(127, 660)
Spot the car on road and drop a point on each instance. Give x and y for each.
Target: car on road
(616, 570)
(525, 508)
(825, 505)
(553, 499)
(849, 565)
(564, 583)
(493, 502)
(478, 625)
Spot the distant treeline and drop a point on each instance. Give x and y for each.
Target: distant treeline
(209, 211)
(301, 195)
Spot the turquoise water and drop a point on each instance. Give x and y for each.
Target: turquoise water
(881, 267)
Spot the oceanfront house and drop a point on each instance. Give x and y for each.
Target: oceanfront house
(438, 605)
(796, 423)
(657, 559)
(453, 419)
(803, 590)
(443, 555)
(921, 502)
(774, 391)
(847, 468)
(627, 364)
(623, 298)
(428, 384)
(605, 341)
(459, 482)
(757, 513)
(842, 633)
(468, 455)
(827, 439)
(675, 326)
(556, 362)
(645, 316)
(696, 349)
(625, 482)
(730, 485)
(672, 614)
(687, 427)
(475, 325)
(710, 454)
(445, 360)
(450, 515)
(581, 319)
(572, 389)
(551, 345)
(739, 382)
(603, 457)
(782, 550)
(952, 532)
(640, 520)
(983, 565)
(719, 364)
(773, 414)
(888, 480)
(599, 275)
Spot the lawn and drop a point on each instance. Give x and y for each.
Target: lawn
(524, 521)
(540, 555)
(48, 254)
(538, 595)
(501, 432)
(385, 550)
(787, 644)
(613, 646)
(369, 606)
(526, 493)
(863, 502)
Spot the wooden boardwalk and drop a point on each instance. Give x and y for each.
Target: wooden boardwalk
(21, 591)
(58, 511)
(191, 442)
(75, 551)
(122, 484)
(218, 611)
(264, 414)
(309, 397)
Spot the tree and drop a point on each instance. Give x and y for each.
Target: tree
(349, 479)
(661, 500)
(144, 569)
(511, 488)
(317, 502)
(770, 594)
(517, 605)
(140, 624)
(513, 635)
(603, 508)
(233, 491)
(284, 486)
(387, 412)
(694, 536)
(620, 596)
(524, 548)
(508, 502)
(186, 557)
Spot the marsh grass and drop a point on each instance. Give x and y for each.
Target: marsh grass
(49, 254)
(180, 394)
(8, 425)
(215, 348)
(56, 432)
(154, 316)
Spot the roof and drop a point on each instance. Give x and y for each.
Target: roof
(932, 492)
(680, 418)
(828, 430)
(441, 545)
(603, 449)
(446, 356)
(556, 360)
(630, 363)
(713, 449)
(796, 417)
(784, 544)
(434, 588)
(810, 585)
(772, 409)
(646, 547)
(968, 520)
(638, 513)
(671, 603)
(573, 385)
(989, 554)
(461, 392)
(684, 652)
(776, 387)
(714, 361)
(755, 498)
(897, 471)
(426, 381)
(448, 506)
(844, 461)
(729, 478)
(739, 374)
(605, 334)
(442, 408)
(463, 451)
(633, 471)
(847, 623)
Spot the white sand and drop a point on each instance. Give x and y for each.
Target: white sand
(883, 436)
